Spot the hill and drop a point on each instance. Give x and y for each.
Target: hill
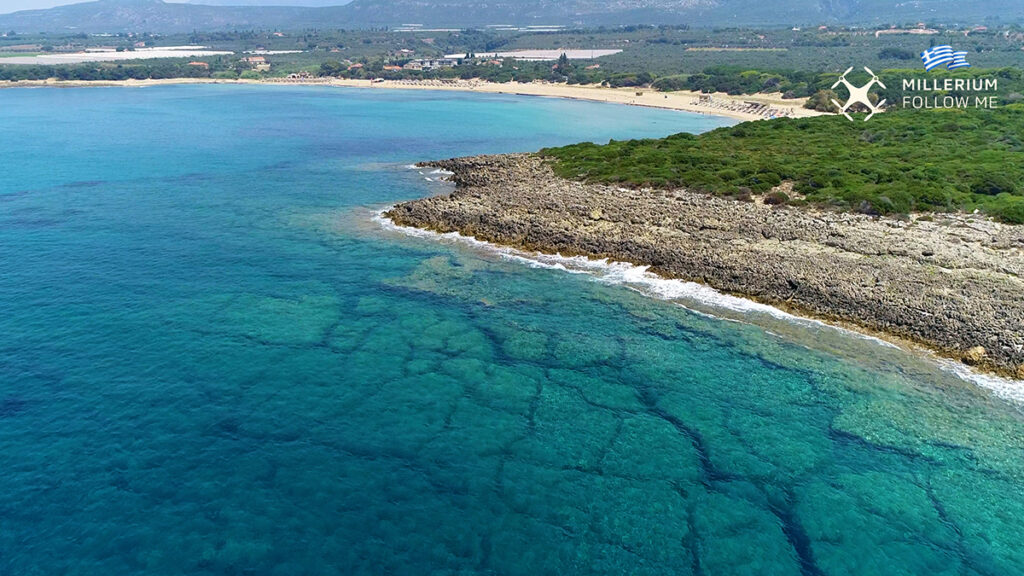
(160, 17)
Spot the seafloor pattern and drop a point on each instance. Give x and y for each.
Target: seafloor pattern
(213, 362)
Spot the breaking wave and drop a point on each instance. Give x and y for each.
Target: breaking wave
(690, 295)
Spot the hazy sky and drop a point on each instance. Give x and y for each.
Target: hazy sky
(15, 5)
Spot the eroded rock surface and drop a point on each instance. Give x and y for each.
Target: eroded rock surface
(952, 282)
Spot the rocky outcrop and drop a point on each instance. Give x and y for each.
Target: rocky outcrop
(952, 282)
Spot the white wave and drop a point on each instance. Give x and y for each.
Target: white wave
(640, 278)
(626, 274)
(643, 280)
(1005, 388)
(435, 172)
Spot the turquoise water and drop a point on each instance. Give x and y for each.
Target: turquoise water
(214, 361)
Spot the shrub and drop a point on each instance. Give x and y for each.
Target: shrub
(904, 161)
(671, 83)
(822, 101)
(1011, 214)
(993, 184)
(896, 54)
(1009, 209)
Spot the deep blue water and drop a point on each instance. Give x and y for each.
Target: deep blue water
(214, 361)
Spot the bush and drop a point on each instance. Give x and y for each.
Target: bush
(993, 185)
(896, 54)
(905, 161)
(776, 198)
(1011, 214)
(670, 84)
(822, 101)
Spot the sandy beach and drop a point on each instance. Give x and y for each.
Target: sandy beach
(755, 107)
(737, 107)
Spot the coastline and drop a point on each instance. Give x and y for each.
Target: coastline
(947, 284)
(725, 105)
(684, 101)
(1013, 367)
(704, 300)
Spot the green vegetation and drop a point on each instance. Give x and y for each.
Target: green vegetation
(900, 162)
(735, 60)
(738, 61)
(818, 86)
(114, 71)
(1010, 80)
(736, 80)
(101, 16)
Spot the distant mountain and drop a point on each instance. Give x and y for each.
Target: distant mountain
(694, 12)
(307, 3)
(154, 16)
(589, 12)
(158, 16)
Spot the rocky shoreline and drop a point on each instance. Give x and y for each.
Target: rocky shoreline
(950, 282)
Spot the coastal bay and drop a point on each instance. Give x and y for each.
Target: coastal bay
(511, 289)
(215, 360)
(948, 281)
(755, 107)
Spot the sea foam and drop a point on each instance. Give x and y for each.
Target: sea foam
(641, 279)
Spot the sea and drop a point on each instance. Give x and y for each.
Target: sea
(216, 358)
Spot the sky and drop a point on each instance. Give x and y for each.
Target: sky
(15, 5)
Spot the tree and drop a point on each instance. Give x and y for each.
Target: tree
(331, 68)
(892, 53)
(822, 101)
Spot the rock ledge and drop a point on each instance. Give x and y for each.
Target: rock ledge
(951, 282)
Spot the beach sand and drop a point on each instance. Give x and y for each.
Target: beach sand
(723, 104)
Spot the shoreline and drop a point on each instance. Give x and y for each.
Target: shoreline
(1005, 386)
(683, 101)
(946, 285)
(723, 105)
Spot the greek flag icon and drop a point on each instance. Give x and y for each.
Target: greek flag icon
(944, 56)
(959, 61)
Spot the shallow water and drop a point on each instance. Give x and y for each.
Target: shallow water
(214, 361)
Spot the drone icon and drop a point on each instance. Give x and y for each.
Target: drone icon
(858, 95)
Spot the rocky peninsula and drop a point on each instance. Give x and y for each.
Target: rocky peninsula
(952, 282)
